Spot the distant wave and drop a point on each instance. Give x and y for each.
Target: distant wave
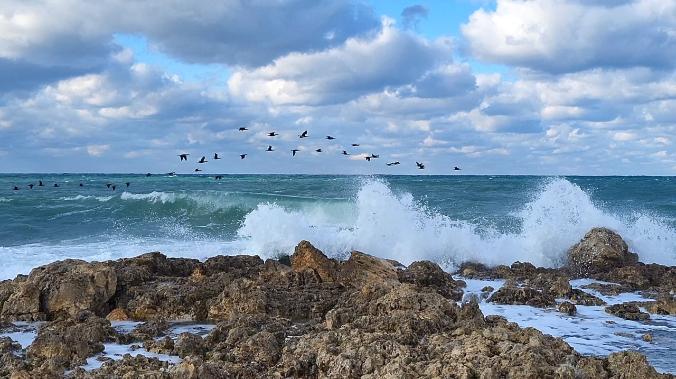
(398, 227)
(4, 200)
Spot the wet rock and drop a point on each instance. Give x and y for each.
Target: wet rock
(118, 314)
(627, 312)
(608, 289)
(61, 289)
(631, 365)
(129, 367)
(189, 344)
(658, 278)
(662, 307)
(579, 297)
(308, 257)
(647, 337)
(150, 330)
(10, 360)
(160, 346)
(600, 250)
(361, 269)
(426, 274)
(522, 295)
(567, 308)
(68, 343)
(474, 270)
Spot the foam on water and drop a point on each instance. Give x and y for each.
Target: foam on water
(397, 226)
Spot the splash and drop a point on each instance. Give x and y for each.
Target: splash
(397, 226)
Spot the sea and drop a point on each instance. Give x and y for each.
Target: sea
(446, 219)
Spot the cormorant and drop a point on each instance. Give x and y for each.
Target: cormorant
(243, 129)
(293, 152)
(269, 148)
(272, 134)
(203, 160)
(456, 168)
(303, 135)
(184, 157)
(393, 163)
(330, 138)
(216, 156)
(319, 150)
(16, 188)
(420, 165)
(197, 170)
(31, 185)
(40, 183)
(345, 153)
(242, 156)
(128, 184)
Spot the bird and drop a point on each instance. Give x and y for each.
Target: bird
(197, 170)
(456, 168)
(216, 156)
(242, 156)
(56, 184)
(31, 185)
(40, 183)
(109, 184)
(394, 163)
(128, 184)
(355, 144)
(293, 152)
(330, 138)
(243, 129)
(113, 187)
(319, 150)
(420, 165)
(269, 148)
(375, 156)
(345, 153)
(171, 173)
(203, 160)
(16, 188)
(184, 157)
(272, 134)
(218, 177)
(303, 135)
(148, 175)
(368, 158)
(81, 185)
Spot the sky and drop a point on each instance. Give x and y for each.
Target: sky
(538, 87)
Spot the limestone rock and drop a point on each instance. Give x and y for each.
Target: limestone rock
(308, 257)
(567, 308)
(627, 312)
(427, 274)
(600, 250)
(361, 269)
(522, 295)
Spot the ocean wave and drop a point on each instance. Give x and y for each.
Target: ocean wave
(399, 227)
(4, 200)
(83, 197)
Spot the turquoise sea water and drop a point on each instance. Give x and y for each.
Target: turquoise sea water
(494, 219)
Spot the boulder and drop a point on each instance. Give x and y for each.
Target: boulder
(308, 257)
(188, 344)
(600, 250)
(427, 274)
(567, 308)
(522, 295)
(627, 312)
(361, 269)
(630, 364)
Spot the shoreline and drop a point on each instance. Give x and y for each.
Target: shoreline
(309, 316)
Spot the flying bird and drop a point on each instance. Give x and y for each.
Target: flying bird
(184, 157)
(330, 138)
(319, 150)
(303, 135)
(56, 184)
(81, 185)
(197, 170)
(109, 184)
(272, 134)
(355, 144)
(128, 184)
(293, 152)
(218, 177)
(345, 153)
(203, 160)
(269, 148)
(368, 158)
(16, 188)
(394, 163)
(114, 188)
(375, 156)
(216, 156)
(456, 168)
(420, 165)
(242, 156)
(148, 175)
(40, 183)
(243, 129)
(31, 185)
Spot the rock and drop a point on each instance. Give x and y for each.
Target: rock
(67, 343)
(631, 364)
(10, 360)
(579, 297)
(608, 289)
(188, 344)
(150, 330)
(129, 367)
(118, 314)
(600, 250)
(160, 346)
(627, 312)
(426, 274)
(361, 269)
(62, 289)
(524, 295)
(641, 276)
(647, 337)
(567, 308)
(307, 257)
(662, 307)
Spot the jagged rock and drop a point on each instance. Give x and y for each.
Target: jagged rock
(647, 337)
(150, 330)
(426, 274)
(160, 346)
(68, 343)
(308, 257)
(642, 277)
(361, 269)
(567, 308)
(129, 367)
(600, 250)
(61, 289)
(627, 312)
(118, 314)
(522, 295)
(609, 289)
(579, 297)
(188, 344)
(630, 364)
(662, 307)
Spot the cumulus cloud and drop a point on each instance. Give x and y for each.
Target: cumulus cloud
(565, 35)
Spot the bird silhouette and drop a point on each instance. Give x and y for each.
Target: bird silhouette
(40, 183)
(375, 156)
(243, 129)
(293, 152)
(203, 160)
(330, 138)
(109, 184)
(113, 187)
(456, 168)
(368, 158)
(31, 185)
(272, 134)
(81, 185)
(420, 165)
(345, 153)
(16, 188)
(355, 144)
(197, 170)
(394, 163)
(242, 156)
(218, 177)
(128, 184)
(303, 135)
(149, 175)
(216, 156)
(319, 150)
(269, 148)
(184, 157)
(56, 184)
(171, 173)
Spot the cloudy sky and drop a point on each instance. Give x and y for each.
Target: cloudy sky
(496, 87)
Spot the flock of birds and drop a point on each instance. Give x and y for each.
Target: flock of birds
(184, 157)
(369, 157)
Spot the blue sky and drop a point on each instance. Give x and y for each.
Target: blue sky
(497, 87)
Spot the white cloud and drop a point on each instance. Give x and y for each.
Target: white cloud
(624, 136)
(97, 150)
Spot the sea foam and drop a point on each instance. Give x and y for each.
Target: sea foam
(395, 225)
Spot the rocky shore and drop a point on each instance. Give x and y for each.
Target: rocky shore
(309, 316)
